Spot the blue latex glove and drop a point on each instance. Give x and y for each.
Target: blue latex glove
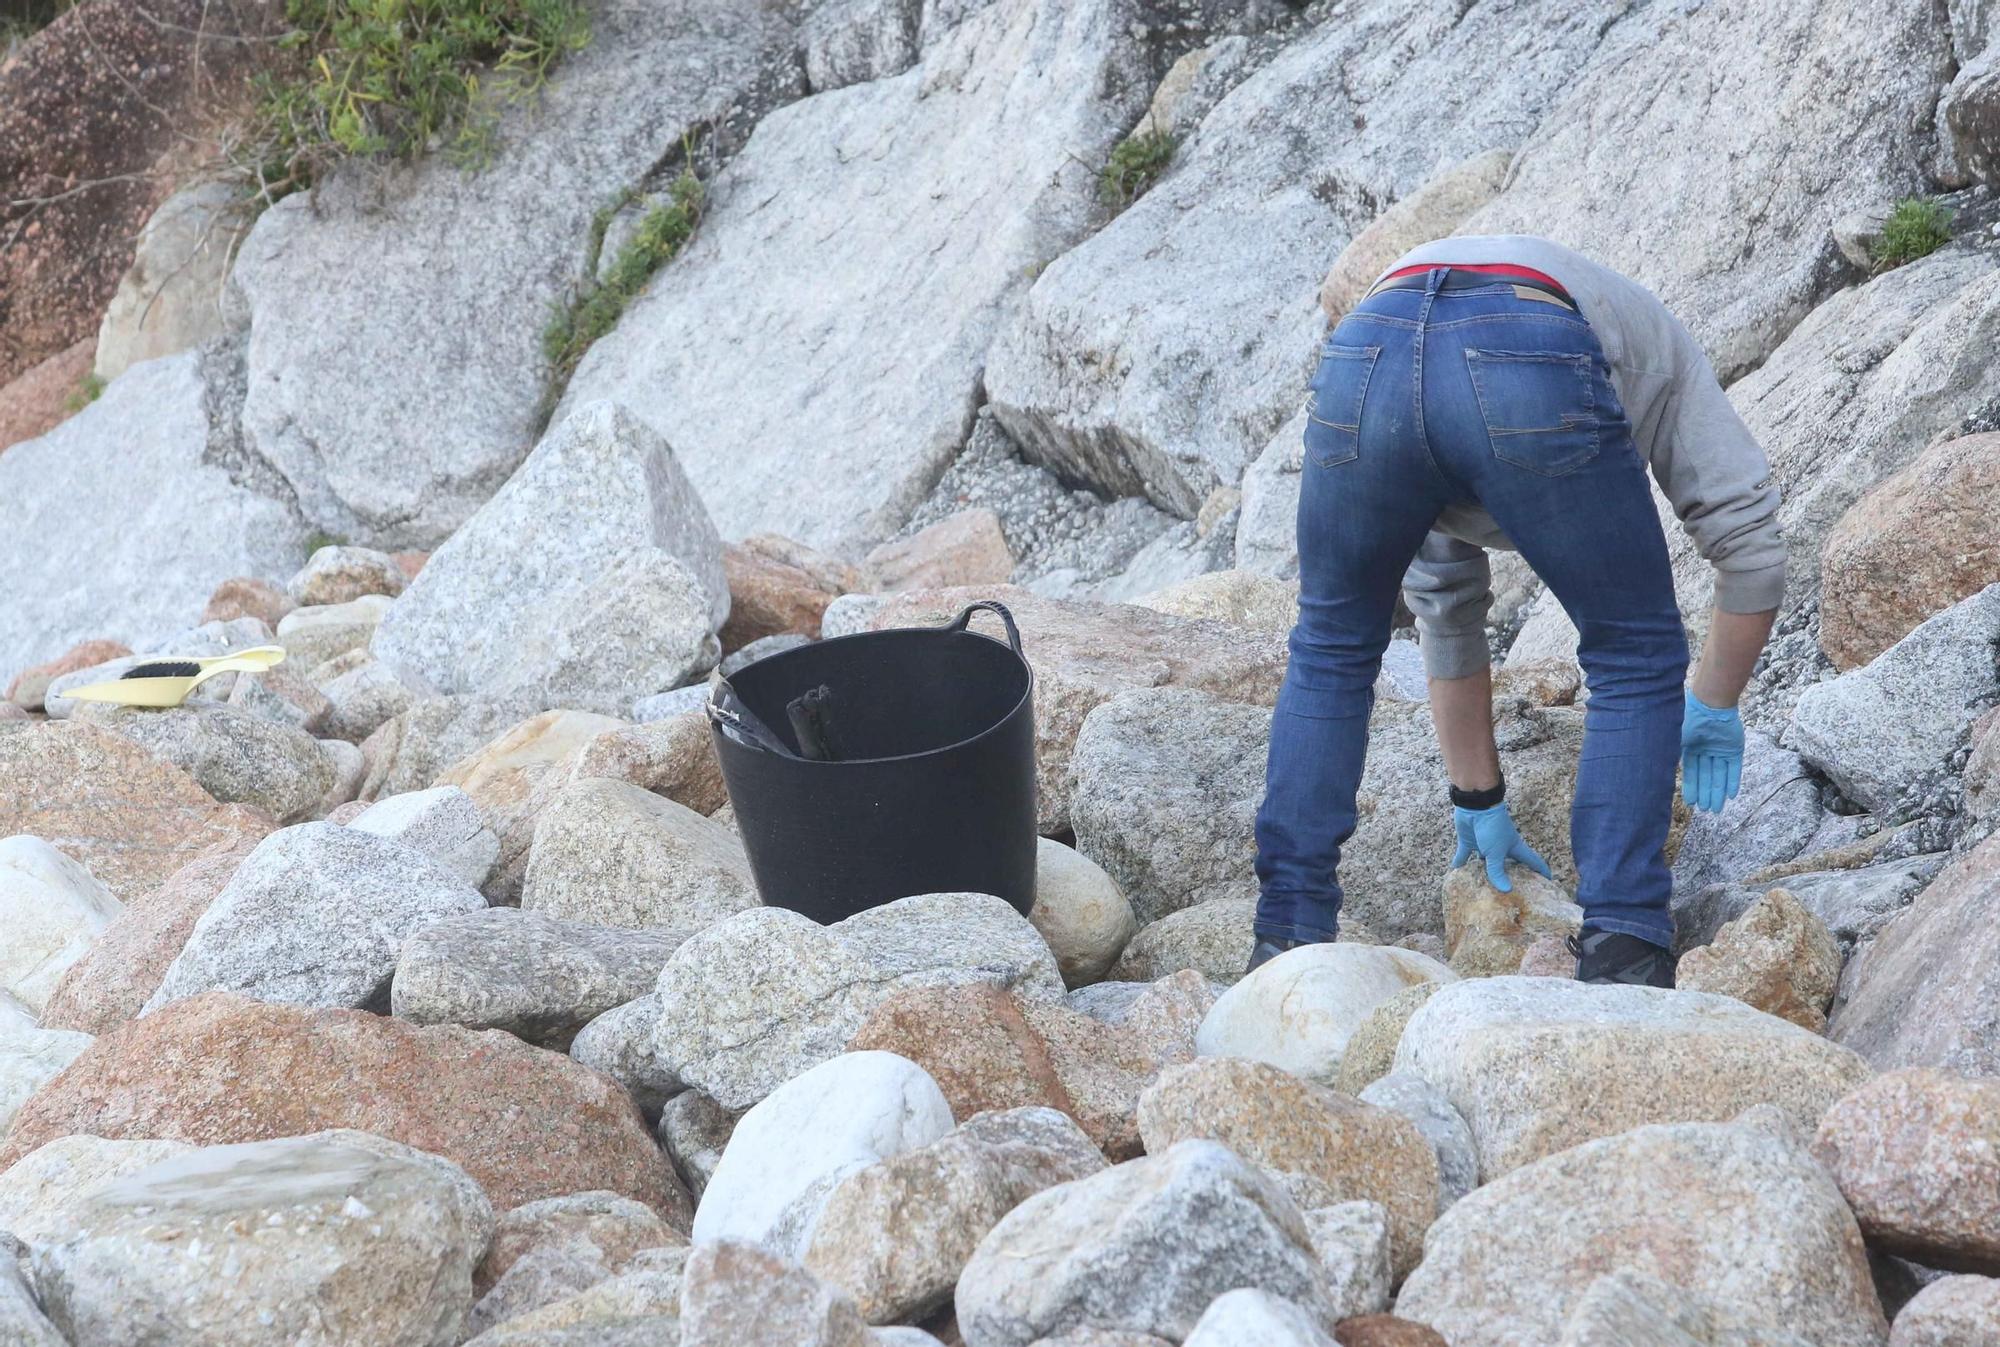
(1491, 835)
(1711, 754)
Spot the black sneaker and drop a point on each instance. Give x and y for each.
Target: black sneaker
(1268, 948)
(1612, 956)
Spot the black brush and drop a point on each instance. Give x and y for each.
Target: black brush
(164, 668)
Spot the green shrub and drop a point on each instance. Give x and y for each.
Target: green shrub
(1134, 166)
(398, 78)
(1917, 227)
(599, 302)
(86, 392)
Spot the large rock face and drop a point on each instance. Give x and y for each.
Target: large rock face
(219, 1068)
(357, 413)
(1085, 653)
(1800, 150)
(132, 818)
(511, 604)
(1160, 356)
(1880, 730)
(1536, 1065)
(170, 300)
(1001, 121)
(1728, 1211)
(1857, 390)
(334, 1237)
(119, 522)
(1142, 1247)
(610, 852)
(1916, 544)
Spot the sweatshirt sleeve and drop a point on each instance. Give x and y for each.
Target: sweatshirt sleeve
(1716, 477)
(1450, 588)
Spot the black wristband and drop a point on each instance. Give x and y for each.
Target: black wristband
(1479, 799)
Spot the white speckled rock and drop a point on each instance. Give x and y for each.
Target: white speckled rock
(694, 1132)
(1213, 938)
(1353, 1243)
(540, 978)
(316, 915)
(1625, 1309)
(441, 822)
(1737, 1214)
(1080, 911)
(1299, 1010)
(1419, 1101)
(611, 852)
(28, 1057)
(312, 636)
(511, 602)
(336, 1237)
(896, 1235)
(21, 1320)
(37, 1189)
(757, 999)
(53, 910)
(1883, 728)
(1536, 1064)
(1144, 1247)
(619, 1043)
(789, 1152)
(235, 755)
(1248, 1317)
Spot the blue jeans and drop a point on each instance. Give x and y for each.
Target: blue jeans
(1428, 397)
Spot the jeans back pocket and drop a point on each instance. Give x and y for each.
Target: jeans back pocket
(1540, 407)
(1333, 407)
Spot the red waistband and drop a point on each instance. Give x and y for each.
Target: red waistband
(1496, 268)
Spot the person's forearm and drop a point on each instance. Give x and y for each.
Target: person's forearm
(1462, 710)
(1735, 640)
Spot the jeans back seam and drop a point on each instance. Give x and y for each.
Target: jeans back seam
(1432, 282)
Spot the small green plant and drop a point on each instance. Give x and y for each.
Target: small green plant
(319, 538)
(1917, 227)
(86, 392)
(597, 305)
(1135, 165)
(399, 78)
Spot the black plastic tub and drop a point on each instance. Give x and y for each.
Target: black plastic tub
(932, 786)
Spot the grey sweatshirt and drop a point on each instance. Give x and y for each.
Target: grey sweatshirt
(1703, 456)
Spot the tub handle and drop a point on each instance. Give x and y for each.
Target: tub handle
(964, 619)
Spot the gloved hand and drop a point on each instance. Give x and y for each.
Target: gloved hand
(1491, 834)
(1711, 754)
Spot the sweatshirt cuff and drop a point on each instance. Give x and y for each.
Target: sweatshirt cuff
(1453, 654)
(1757, 591)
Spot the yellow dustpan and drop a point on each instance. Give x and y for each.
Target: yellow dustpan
(168, 681)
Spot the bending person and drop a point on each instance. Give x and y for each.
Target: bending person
(1508, 392)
